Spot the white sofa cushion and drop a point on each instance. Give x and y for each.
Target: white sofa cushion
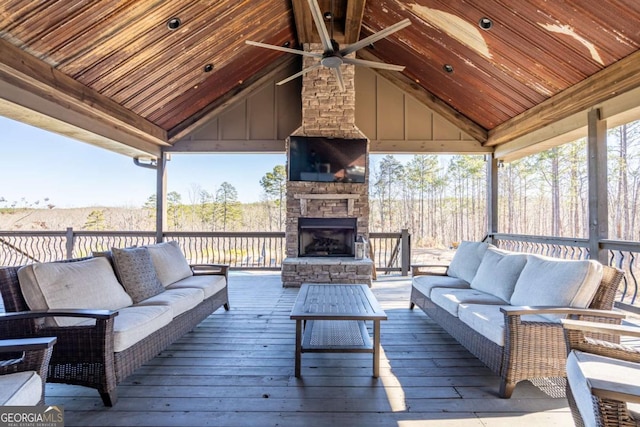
(20, 389)
(488, 320)
(170, 263)
(450, 299)
(135, 323)
(210, 284)
(88, 284)
(466, 260)
(426, 284)
(180, 300)
(136, 272)
(548, 281)
(586, 370)
(498, 273)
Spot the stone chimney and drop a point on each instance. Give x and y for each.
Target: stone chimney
(328, 112)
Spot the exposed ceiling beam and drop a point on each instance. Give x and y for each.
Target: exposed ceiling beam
(304, 21)
(60, 97)
(240, 92)
(403, 82)
(618, 78)
(353, 20)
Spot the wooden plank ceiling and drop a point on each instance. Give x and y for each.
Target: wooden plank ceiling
(118, 62)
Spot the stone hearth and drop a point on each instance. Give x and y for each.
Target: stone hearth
(326, 112)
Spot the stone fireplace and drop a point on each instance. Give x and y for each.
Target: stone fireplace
(326, 112)
(326, 237)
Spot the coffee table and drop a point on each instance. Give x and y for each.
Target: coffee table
(330, 318)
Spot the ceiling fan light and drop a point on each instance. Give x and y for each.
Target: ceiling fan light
(174, 23)
(485, 23)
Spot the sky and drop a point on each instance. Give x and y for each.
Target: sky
(36, 165)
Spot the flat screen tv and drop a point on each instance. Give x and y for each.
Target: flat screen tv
(320, 159)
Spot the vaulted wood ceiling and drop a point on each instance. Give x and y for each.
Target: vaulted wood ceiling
(112, 70)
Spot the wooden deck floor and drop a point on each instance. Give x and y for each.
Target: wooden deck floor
(236, 369)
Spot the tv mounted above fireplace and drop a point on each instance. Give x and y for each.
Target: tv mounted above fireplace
(320, 159)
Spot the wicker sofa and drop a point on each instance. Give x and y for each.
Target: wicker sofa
(110, 313)
(505, 307)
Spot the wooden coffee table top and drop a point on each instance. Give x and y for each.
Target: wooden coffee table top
(336, 302)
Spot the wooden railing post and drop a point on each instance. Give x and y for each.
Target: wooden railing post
(69, 242)
(406, 251)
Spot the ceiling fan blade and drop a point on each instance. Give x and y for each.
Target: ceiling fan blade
(375, 37)
(373, 64)
(338, 74)
(296, 75)
(322, 29)
(284, 49)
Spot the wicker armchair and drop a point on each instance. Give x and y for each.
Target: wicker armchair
(33, 355)
(603, 377)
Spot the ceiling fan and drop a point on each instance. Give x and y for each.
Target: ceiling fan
(333, 57)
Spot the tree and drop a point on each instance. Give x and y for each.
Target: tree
(421, 175)
(95, 221)
(387, 178)
(205, 209)
(227, 204)
(174, 202)
(274, 184)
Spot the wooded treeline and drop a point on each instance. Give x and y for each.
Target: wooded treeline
(440, 199)
(544, 194)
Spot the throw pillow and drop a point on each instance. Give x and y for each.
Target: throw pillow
(136, 272)
(170, 263)
(467, 259)
(556, 282)
(498, 273)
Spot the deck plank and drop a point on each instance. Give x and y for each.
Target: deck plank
(236, 369)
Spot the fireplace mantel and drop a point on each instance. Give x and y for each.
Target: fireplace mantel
(350, 198)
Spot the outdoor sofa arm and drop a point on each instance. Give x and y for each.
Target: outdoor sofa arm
(34, 355)
(572, 311)
(70, 312)
(95, 338)
(210, 269)
(520, 330)
(429, 269)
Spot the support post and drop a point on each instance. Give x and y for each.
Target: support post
(598, 190)
(492, 197)
(69, 242)
(161, 196)
(405, 251)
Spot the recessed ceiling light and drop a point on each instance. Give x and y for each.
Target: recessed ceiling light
(485, 23)
(448, 68)
(286, 44)
(208, 68)
(174, 23)
(327, 16)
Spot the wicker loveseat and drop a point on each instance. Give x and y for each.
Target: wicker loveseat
(109, 316)
(505, 307)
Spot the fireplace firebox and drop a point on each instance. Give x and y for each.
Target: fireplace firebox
(322, 237)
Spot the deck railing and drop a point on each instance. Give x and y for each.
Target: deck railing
(622, 254)
(241, 250)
